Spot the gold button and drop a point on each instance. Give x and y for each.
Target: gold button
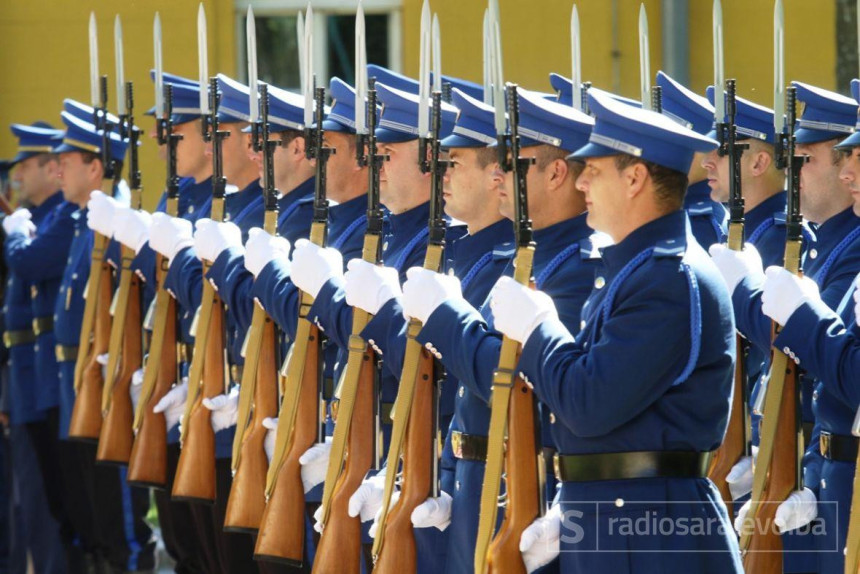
(552, 418)
(813, 253)
(599, 282)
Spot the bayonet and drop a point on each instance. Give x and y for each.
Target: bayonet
(251, 35)
(300, 42)
(719, 73)
(437, 55)
(202, 60)
(94, 62)
(308, 87)
(120, 68)
(424, 76)
(782, 158)
(488, 93)
(159, 71)
(576, 59)
(644, 61)
(360, 73)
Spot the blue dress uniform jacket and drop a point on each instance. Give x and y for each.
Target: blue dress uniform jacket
(708, 218)
(33, 274)
(651, 370)
(40, 260)
(565, 263)
(825, 339)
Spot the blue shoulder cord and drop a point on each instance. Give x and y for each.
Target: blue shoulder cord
(821, 275)
(410, 246)
(341, 239)
(556, 261)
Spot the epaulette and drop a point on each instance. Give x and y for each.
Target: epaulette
(455, 231)
(700, 209)
(306, 199)
(504, 251)
(669, 248)
(808, 234)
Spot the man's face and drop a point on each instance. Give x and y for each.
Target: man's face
(76, 176)
(819, 179)
(162, 148)
(468, 186)
(535, 182)
(850, 176)
(34, 179)
(341, 166)
(399, 173)
(603, 185)
(717, 168)
(234, 150)
(191, 157)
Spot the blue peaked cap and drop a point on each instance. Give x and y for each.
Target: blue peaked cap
(826, 115)
(622, 129)
(752, 120)
(83, 136)
(854, 139)
(564, 92)
(234, 105)
(685, 106)
(34, 140)
(86, 113)
(398, 120)
(341, 116)
(546, 122)
(286, 110)
(392, 79)
(175, 81)
(475, 125)
(470, 88)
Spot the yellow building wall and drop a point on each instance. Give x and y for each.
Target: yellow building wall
(44, 48)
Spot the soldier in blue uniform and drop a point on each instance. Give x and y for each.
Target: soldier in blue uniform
(708, 217)
(124, 540)
(460, 328)
(34, 263)
(666, 403)
(811, 308)
(405, 193)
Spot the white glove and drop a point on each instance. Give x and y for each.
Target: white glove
(225, 410)
(100, 212)
(741, 516)
(271, 424)
(211, 238)
(539, 542)
(518, 310)
(784, 292)
(314, 265)
(169, 235)
(425, 290)
(735, 265)
(103, 361)
(740, 477)
(433, 512)
(367, 498)
(136, 388)
(19, 221)
(131, 227)
(172, 404)
(262, 248)
(314, 463)
(857, 300)
(368, 286)
(395, 496)
(799, 509)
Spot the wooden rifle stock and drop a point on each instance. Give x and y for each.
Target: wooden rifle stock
(852, 546)
(117, 436)
(247, 495)
(86, 421)
(195, 471)
(339, 548)
(281, 536)
(419, 451)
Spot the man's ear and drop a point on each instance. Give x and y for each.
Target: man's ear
(557, 172)
(761, 162)
(299, 144)
(635, 176)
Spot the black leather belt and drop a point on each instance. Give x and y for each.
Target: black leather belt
(630, 465)
(469, 446)
(16, 338)
(384, 411)
(186, 351)
(43, 325)
(66, 353)
(838, 447)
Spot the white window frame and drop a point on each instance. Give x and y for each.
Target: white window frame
(322, 9)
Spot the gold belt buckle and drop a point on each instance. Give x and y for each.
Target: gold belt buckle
(824, 444)
(7, 339)
(556, 466)
(457, 443)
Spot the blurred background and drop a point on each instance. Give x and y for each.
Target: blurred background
(44, 47)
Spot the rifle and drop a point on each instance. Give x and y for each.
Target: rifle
(852, 550)
(513, 415)
(125, 351)
(282, 527)
(354, 445)
(417, 397)
(148, 462)
(778, 469)
(207, 376)
(736, 442)
(86, 421)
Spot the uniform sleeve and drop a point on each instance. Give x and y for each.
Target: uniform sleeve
(469, 348)
(751, 322)
(447, 466)
(42, 257)
(185, 278)
(331, 312)
(591, 391)
(234, 284)
(825, 348)
(388, 331)
(278, 295)
(144, 266)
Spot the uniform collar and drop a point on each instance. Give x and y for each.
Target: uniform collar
(672, 226)
(355, 206)
(485, 240)
(834, 230)
(699, 191)
(763, 211)
(197, 193)
(300, 191)
(559, 235)
(411, 221)
(49, 204)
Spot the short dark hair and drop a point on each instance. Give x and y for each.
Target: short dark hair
(89, 157)
(44, 158)
(288, 135)
(670, 186)
(486, 156)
